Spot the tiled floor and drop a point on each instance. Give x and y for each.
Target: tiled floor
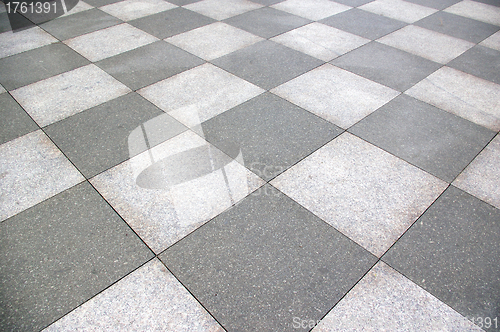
(264, 165)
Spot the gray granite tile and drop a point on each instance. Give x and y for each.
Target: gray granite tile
(59, 254)
(452, 252)
(213, 41)
(490, 2)
(267, 22)
(335, 94)
(148, 64)
(477, 11)
(271, 134)
(267, 64)
(267, 2)
(182, 2)
(2, 89)
(458, 26)
(481, 177)
(15, 121)
(387, 65)
(353, 3)
(363, 23)
(265, 261)
(149, 299)
(111, 41)
(66, 94)
(399, 10)
(222, 9)
(173, 188)
(481, 62)
(97, 139)
(462, 94)
(426, 43)
(312, 9)
(171, 22)
(38, 64)
(364, 192)
(492, 42)
(439, 142)
(98, 3)
(79, 24)
(14, 21)
(133, 9)
(32, 169)
(382, 295)
(20, 41)
(437, 4)
(320, 41)
(199, 94)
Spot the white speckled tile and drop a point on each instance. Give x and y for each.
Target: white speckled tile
(311, 9)
(162, 209)
(148, 299)
(111, 41)
(214, 40)
(80, 7)
(482, 177)
(364, 192)
(222, 9)
(32, 169)
(199, 94)
(399, 10)
(477, 11)
(428, 44)
(131, 9)
(462, 94)
(385, 300)
(335, 94)
(60, 96)
(492, 41)
(2, 89)
(320, 41)
(20, 41)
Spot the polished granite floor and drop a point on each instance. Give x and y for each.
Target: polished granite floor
(264, 165)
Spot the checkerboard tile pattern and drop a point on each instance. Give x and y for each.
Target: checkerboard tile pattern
(251, 165)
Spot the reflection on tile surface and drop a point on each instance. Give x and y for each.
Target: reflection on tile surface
(384, 300)
(173, 188)
(361, 190)
(32, 169)
(320, 41)
(69, 93)
(199, 94)
(149, 299)
(462, 94)
(335, 94)
(482, 177)
(59, 254)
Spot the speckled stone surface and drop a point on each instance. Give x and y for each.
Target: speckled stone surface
(439, 142)
(477, 11)
(426, 43)
(20, 41)
(59, 254)
(32, 169)
(384, 300)
(335, 94)
(199, 94)
(220, 10)
(69, 93)
(492, 42)
(149, 299)
(15, 121)
(162, 210)
(482, 177)
(399, 10)
(265, 261)
(132, 9)
(452, 252)
(361, 190)
(480, 61)
(311, 9)
(320, 41)
(214, 40)
(462, 94)
(111, 41)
